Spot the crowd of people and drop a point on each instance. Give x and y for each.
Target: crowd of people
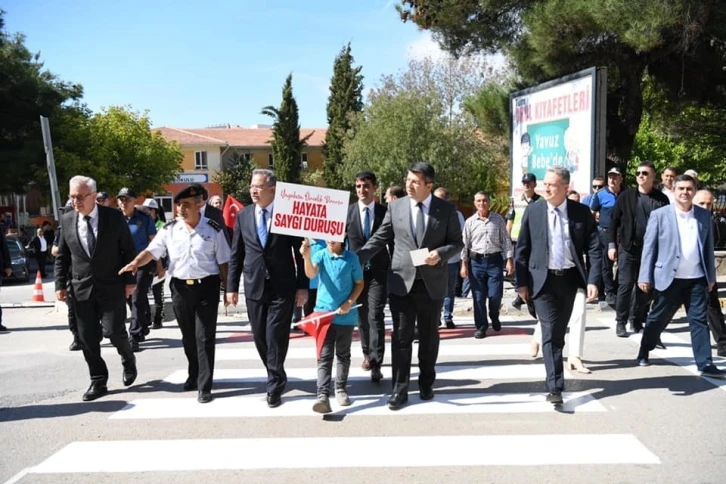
(632, 245)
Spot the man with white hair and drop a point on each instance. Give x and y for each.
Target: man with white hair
(95, 243)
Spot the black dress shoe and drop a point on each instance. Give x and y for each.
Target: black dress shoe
(450, 324)
(204, 397)
(620, 330)
(555, 397)
(426, 393)
(480, 333)
(376, 374)
(134, 345)
(397, 400)
(96, 390)
(75, 346)
(190, 384)
(130, 374)
(660, 345)
(3, 329)
(273, 400)
(156, 326)
(497, 325)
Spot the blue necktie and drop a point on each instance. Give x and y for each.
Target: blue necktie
(367, 224)
(262, 227)
(558, 241)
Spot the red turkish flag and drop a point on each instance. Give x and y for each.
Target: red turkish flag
(229, 212)
(317, 325)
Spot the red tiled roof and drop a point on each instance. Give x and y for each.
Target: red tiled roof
(238, 137)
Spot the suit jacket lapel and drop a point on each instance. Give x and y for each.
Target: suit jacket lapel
(101, 230)
(434, 210)
(356, 222)
(674, 221)
(571, 229)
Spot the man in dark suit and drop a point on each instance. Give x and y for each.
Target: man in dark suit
(40, 247)
(553, 239)
(364, 219)
(274, 279)
(95, 243)
(429, 226)
(7, 269)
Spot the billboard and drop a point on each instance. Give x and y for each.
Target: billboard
(560, 122)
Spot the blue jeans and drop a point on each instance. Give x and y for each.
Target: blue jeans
(694, 294)
(486, 277)
(449, 299)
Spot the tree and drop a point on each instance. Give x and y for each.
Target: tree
(411, 118)
(116, 147)
(27, 91)
(345, 100)
(235, 178)
(286, 143)
(679, 43)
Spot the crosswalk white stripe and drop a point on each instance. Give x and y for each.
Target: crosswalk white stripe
(464, 321)
(488, 372)
(308, 353)
(362, 406)
(338, 452)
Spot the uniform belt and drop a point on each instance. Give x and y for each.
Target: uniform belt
(195, 282)
(477, 257)
(560, 272)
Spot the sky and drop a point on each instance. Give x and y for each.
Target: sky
(194, 63)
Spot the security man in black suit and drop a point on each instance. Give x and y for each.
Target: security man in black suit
(95, 244)
(553, 239)
(195, 282)
(364, 218)
(274, 279)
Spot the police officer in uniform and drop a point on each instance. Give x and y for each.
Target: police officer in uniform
(198, 257)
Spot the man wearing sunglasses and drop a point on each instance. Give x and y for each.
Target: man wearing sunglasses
(625, 242)
(598, 183)
(601, 205)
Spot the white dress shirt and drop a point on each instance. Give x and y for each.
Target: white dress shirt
(83, 228)
(569, 263)
(362, 210)
(268, 216)
(414, 212)
(43, 243)
(689, 263)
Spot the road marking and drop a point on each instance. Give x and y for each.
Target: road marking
(329, 452)
(363, 406)
(443, 372)
(308, 353)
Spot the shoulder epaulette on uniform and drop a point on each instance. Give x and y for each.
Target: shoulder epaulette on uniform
(169, 224)
(215, 225)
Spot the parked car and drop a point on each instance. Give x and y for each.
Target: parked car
(18, 260)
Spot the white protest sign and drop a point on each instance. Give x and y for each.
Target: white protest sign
(309, 211)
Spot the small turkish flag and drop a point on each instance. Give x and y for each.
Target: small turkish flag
(229, 212)
(317, 325)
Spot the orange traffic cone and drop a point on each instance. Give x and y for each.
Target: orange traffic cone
(38, 289)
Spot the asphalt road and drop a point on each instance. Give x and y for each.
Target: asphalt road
(487, 423)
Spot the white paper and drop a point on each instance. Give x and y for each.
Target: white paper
(418, 257)
(157, 280)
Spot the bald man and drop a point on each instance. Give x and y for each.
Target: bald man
(705, 199)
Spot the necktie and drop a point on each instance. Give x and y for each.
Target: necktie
(367, 223)
(420, 224)
(90, 236)
(262, 227)
(558, 241)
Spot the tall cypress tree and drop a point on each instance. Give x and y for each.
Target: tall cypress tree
(346, 99)
(286, 143)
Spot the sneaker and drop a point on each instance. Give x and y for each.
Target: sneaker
(643, 361)
(341, 396)
(322, 404)
(712, 372)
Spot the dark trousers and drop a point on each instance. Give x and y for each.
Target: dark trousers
(72, 320)
(270, 321)
(41, 258)
(414, 309)
(158, 291)
(554, 306)
(102, 315)
(486, 277)
(609, 283)
(628, 292)
(195, 307)
(371, 320)
(139, 301)
(451, 296)
(694, 294)
(715, 319)
(337, 342)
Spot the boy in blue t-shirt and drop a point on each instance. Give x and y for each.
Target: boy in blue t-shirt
(341, 282)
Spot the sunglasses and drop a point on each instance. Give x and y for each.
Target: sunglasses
(597, 187)
(642, 173)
